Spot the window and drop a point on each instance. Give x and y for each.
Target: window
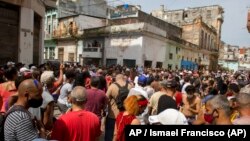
(209, 14)
(177, 50)
(208, 42)
(61, 54)
(185, 15)
(176, 16)
(46, 53)
(201, 38)
(182, 58)
(148, 64)
(129, 63)
(111, 62)
(51, 53)
(71, 57)
(205, 42)
(94, 44)
(195, 60)
(169, 66)
(49, 29)
(170, 56)
(158, 64)
(187, 58)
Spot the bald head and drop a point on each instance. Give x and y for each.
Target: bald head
(31, 86)
(78, 95)
(30, 94)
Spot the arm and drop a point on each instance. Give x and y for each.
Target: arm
(150, 110)
(60, 79)
(150, 105)
(200, 118)
(135, 122)
(197, 107)
(105, 105)
(109, 91)
(48, 116)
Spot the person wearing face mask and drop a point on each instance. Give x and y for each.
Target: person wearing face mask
(217, 111)
(191, 104)
(167, 100)
(19, 124)
(45, 112)
(134, 105)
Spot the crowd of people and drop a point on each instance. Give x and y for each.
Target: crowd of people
(102, 101)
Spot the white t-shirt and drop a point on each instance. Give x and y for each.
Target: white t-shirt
(64, 92)
(47, 98)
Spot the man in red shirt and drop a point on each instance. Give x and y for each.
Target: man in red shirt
(78, 124)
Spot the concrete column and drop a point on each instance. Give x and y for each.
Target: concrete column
(41, 42)
(79, 49)
(25, 54)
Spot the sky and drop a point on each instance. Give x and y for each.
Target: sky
(234, 31)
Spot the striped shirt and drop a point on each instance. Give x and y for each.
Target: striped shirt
(19, 127)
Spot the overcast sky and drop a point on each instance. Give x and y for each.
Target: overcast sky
(234, 29)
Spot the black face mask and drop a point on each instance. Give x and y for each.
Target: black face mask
(35, 103)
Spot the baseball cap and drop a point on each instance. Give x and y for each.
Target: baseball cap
(168, 83)
(142, 79)
(168, 117)
(24, 69)
(10, 63)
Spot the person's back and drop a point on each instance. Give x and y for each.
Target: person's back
(77, 126)
(19, 125)
(113, 110)
(6, 90)
(15, 124)
(97, 101)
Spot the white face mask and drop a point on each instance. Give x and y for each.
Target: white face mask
(69, 105)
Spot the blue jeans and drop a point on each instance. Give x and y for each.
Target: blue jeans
(109, 129)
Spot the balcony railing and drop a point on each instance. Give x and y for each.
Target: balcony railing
(91, 49)
(93, 52)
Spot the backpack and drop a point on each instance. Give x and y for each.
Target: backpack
(122, 95)
(3, 117)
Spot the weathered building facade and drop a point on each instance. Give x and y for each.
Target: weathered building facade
(21, 30)
(65, 10)
(230, 57)
(68, 36)
(201, 26)
(133, 37)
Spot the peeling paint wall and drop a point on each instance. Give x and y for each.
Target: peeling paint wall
(124, 47)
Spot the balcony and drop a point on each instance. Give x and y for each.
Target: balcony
(50, 3)
(92, 52)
